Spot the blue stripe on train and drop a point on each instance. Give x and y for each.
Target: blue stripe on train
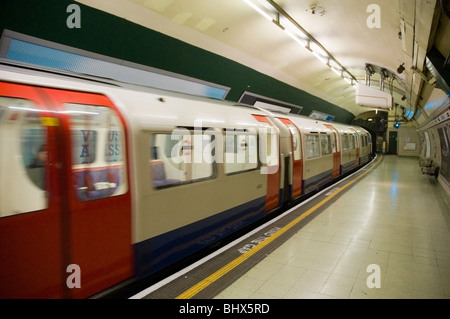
(365, 158)
(161, 251)
(317, 181)
(348, 166)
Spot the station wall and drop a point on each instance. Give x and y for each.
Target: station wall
(408, 141)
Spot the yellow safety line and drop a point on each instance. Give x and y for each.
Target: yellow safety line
(191, 292)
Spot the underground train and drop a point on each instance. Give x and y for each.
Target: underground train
(103, 184)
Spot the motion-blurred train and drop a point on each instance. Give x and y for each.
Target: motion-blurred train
(103, 184)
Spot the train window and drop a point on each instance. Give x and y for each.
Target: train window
(240, 152)
(325, 144)
(268, 150)
(84, 143)
(98, 146)
(333, 143)
(23, 164)
(345, 142)
(351, 142)
(181, 157)
(312, 146)
(296, 141)
(34, 152)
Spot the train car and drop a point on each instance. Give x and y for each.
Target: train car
(318, 153)
(103, 184)
(315, 152)
(365, 145)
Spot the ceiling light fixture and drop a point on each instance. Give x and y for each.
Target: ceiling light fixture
(259, 10)
(274, 13)
(300, 40)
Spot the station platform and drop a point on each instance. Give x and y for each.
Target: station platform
(382, 233)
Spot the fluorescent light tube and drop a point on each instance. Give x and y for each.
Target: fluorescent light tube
(262, 12)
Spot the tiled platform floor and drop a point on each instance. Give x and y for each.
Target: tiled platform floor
(394, 218)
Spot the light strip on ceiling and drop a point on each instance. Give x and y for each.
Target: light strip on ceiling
(259, 10)
(300, 40)
(274, 13)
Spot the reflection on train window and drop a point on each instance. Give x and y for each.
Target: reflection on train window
(34, 152)
(325, 144)
(98, 160)
(23, 142)
(312, 146)
(181, 157)
(240, 152)
(83, 146)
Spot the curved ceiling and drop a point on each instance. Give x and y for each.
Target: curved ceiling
(385, 34)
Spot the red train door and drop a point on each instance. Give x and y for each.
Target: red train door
(31, 259)
(336, 151)
(98, 212)
(65, 204)
(297, 162)
(269, 141)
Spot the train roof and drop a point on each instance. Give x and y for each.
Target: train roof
(168, 109)
(143, 106)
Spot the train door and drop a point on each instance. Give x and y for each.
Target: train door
(336, 150)
(269, 150)
(357, 146)
(393, 143)
(97, 213)
(297, 161)
(31, 260)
